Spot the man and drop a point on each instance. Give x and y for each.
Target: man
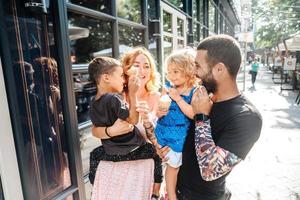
(226, 125)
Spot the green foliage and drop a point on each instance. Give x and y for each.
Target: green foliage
(275, 20)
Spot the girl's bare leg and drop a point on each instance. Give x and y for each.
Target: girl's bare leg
(171, 181)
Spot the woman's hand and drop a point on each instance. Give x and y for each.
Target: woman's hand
(133, 84)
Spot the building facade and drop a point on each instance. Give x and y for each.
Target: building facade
(45, 46)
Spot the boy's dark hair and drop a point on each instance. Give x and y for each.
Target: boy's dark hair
(101, 65)
(224, 49)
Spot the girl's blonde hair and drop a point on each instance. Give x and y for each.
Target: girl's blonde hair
(128, 59)
(184, 60)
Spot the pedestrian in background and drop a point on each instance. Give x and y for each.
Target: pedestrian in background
(254, 69)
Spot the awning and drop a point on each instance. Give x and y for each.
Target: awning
(293, 44)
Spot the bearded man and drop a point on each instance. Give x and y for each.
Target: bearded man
(226, 125)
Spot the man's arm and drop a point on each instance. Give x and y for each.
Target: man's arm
(214, 161)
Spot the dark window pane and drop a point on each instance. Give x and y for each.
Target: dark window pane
(1, 191)
(130, 9)
(177, 3)
(167, 17)
(42, 144)
(129, 38)
(89, 37)
(99, 5)
(152, 11)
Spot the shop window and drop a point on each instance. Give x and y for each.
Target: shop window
(168, 45)
(180, 27)
(129, 38)
(42, 147)
(196, 33)
(167, 25)
(211, 17)
(89, 38)
(177, 3)
(130, 10)
(99, 5)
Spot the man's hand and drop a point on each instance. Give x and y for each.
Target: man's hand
(201, 102)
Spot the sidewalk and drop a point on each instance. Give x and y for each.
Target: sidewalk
(272, 169)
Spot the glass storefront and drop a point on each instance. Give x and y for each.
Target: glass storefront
(130, 10)
(42, 149)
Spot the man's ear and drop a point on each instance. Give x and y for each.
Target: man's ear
(220, 67)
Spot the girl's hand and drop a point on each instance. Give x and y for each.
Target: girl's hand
(160, 113)
(174, 94)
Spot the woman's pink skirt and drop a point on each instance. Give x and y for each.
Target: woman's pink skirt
(124, 180)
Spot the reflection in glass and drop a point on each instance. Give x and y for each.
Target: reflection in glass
(180, 27)
(84, 92)
(99, 5)
(1, 190)
(196, 32)
(130, 10)
(167, 17)
(168, 46)
(42, 144)
(211, 17)
(91, 38)
(152, 11)
(129, 38)
(177, 3)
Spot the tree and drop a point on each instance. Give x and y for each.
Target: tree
(275, 20)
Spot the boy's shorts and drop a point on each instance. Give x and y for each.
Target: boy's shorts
(175, 158)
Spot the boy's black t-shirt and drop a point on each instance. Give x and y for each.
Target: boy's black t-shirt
(236, 126)
(104, 112)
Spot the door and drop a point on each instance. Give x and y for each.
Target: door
(174, 29)
(35, 78)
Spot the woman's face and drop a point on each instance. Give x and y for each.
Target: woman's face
(144, 69)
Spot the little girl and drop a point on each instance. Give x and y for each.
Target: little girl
(173, 124)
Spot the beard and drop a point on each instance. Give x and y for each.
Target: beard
(209, 83)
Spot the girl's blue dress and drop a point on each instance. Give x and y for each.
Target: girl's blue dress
(172, 128)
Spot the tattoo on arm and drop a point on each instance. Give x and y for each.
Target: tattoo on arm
(214, 161)
(149, 130)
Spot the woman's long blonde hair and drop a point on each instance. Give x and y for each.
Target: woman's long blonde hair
(128, 59)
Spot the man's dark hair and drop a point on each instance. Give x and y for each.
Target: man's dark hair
(101, 65)
(224, 49)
